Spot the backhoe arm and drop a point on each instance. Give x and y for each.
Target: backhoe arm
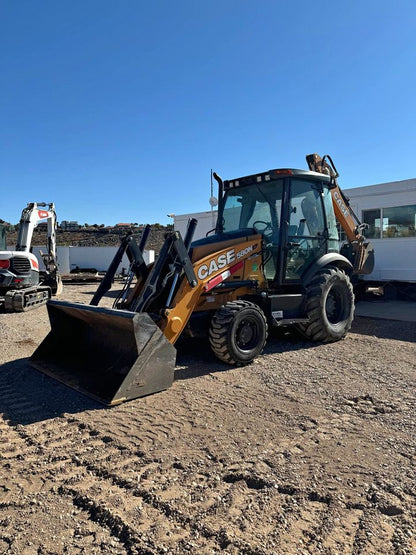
(343, 211)
(358, 250)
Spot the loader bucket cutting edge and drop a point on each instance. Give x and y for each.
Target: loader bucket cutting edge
(110, 355)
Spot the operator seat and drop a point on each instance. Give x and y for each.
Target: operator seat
(310, 212)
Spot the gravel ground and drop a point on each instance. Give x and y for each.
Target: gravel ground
(309, 450)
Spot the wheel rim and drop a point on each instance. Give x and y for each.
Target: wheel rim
(335, 305)
(247, 334)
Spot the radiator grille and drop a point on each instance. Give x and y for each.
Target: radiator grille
(20, 265)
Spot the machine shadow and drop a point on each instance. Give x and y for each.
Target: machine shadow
(112, 294)
(385, 329)
(195, 357)
(28, 396)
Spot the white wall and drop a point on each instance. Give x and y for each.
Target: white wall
(206, 222)
(395, 258)
(89, 257)
(383, 195)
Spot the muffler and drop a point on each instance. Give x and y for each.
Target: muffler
(110, 355)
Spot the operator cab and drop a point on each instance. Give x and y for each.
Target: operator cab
(291, 209)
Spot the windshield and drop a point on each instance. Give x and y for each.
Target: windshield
(253, 206)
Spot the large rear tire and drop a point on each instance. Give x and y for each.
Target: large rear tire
(329, 306)
(238, 332)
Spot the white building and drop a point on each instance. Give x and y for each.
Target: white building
(70, 225)
(390, 211)
(99, 258)
(206, 223)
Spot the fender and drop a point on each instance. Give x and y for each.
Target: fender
(329, 259)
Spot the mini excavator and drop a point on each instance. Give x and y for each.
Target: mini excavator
(23, 286)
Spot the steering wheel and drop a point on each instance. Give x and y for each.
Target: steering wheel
(267, 226)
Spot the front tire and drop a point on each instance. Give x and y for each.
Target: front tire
(238, 332)
(329, 306)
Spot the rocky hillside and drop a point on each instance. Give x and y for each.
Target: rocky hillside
(96, 237)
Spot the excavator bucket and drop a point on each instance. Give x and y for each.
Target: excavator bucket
(110, 355)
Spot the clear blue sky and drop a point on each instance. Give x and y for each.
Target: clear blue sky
(117, 110)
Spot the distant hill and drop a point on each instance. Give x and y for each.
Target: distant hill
(95, 237)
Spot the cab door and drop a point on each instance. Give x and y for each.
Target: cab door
(306, 229)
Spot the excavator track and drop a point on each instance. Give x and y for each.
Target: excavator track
(24, 300)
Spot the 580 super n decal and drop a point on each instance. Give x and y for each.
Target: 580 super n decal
(223, 260)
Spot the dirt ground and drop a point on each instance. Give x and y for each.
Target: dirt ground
(310, 449)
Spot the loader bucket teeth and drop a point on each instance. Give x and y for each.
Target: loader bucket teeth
(110, 355)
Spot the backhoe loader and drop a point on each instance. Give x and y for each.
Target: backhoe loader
(273, 260)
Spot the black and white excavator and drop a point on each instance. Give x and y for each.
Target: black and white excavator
(23, 285)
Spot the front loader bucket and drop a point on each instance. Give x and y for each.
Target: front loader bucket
(110, 355)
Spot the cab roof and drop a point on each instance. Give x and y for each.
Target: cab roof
(273, 175)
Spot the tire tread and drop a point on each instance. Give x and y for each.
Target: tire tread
(220, 325)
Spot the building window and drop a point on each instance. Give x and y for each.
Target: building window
(398, 221)
(373, 219)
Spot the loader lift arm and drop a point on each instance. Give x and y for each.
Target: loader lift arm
(173, 245)
(115, 355)
(138, 266)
